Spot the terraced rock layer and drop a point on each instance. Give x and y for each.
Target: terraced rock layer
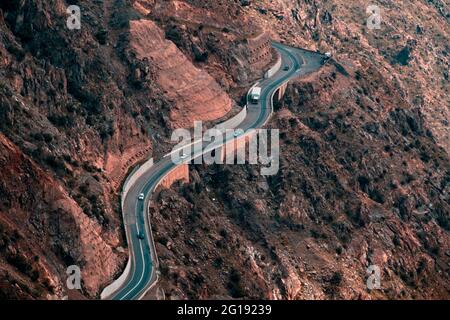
(193, 93)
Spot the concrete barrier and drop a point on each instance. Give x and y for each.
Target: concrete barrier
(109, 290)
(234, 121)
(180, 172)
(134, 175)
(274, 69)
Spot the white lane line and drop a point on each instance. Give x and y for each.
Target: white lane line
(142, 255)
(134, 257)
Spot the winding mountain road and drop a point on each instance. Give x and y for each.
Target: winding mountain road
(141, 270)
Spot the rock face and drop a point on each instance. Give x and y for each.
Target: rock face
(194, 94)
(180, 173)
(78, 108)
(42, 227)
(360, 184)
(412, 50)
(218, 36)
(364, 176)
(260, 50)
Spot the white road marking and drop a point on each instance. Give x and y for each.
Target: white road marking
(142, 255)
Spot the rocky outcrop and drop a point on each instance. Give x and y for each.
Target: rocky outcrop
(45, 231)
(193, 93)
(219, 37)
(260, 50)
(71, 106)
(180, 173)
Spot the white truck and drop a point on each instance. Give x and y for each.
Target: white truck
(255, 94)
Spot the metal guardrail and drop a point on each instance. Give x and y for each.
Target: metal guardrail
(274, 69)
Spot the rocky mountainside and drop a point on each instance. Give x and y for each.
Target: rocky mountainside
(411, 47)
(361, 183)
(78, 109)
(364, 176)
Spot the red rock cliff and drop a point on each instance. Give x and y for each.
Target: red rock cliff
(194, 94)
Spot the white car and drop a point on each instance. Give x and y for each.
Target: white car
(236, 133)
(184, 156)
(141, 196)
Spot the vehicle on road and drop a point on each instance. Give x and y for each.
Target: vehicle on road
(140, 235)
(183, 155)
(141, 196)
(286, 68)
(255, 94)
(326, 57)
(236, 134)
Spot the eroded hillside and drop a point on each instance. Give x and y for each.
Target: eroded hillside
(364, 178)
(361, 182)
(365, 166)
(78, 109)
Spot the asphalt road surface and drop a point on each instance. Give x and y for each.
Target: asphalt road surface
(142, 251)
